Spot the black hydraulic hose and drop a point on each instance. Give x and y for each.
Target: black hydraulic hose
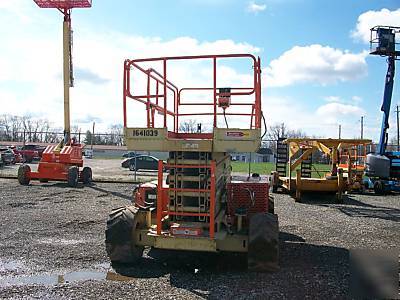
(226, 122)
(265, 125)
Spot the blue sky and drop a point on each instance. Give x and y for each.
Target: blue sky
(316, 69)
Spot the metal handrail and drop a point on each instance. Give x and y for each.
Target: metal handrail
(158, 101)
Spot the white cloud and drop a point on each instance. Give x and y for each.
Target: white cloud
(356, 99)
(255, 8)
(32, 56)
(336, 99)
(333, 99)
(315, 64)
(333, 113)
(373, 18)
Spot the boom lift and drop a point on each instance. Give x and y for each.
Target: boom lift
(195, 205)
(62, 162)
(383, 167)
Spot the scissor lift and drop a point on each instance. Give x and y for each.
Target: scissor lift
(194, 205)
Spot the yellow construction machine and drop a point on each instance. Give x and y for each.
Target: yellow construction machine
(195, 204)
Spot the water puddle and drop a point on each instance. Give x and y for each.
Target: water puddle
(10, 266)
(52, 279)
(64, 242)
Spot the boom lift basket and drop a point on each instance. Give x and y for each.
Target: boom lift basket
(64, 4)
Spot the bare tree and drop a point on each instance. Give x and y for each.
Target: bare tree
(188, 126)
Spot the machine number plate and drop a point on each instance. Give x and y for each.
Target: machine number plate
(145, 132)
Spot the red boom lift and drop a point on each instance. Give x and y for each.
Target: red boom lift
(64, 161)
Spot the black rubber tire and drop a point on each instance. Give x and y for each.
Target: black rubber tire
(366, 185)
(87, 175)
(132, 167)
(339, 200)
(24, 176)
(271, 204)
(73, 176)
(378, 188)
(263, 243)
(120, 246)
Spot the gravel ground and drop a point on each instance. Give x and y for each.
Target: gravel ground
(52, 247)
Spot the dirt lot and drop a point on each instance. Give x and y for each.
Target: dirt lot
(52, 246)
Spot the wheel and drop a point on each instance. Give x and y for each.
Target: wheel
(339, 198)
(132, 167)
(24, 174)
(263, 247)
(87, 175)
(73, 176)
(378, 188)
(366, 185)
(271, 205)
(120, 245)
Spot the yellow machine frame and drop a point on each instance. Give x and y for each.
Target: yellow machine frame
(345, 179)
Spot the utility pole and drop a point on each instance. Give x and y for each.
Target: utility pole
(362, 127)
(91, 147)
(398, 132)
(340, 131)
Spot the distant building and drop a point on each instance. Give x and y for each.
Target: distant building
(262, 155)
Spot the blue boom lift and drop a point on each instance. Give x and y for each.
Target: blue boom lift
(383, 167)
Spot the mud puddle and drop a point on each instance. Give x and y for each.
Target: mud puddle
(56, 279)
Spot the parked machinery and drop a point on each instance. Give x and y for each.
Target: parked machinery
(64, 161)
(194, 205)
(294, 166)
(383, 167)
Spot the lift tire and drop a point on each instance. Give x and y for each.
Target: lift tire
(120, 244)
(24, 174)
(27, 159)
(263, 247)
(339, 198)
(271, 204)
(378, 188)
(73, 176)
(87, 175)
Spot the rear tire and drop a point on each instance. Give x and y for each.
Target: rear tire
(263, 247)
(87, 175)
(73, 176)
(271, 204)
(132, 167)
(120, 245)
(378, 188)
(24, 174)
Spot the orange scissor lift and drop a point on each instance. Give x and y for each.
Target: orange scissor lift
(195, 204)
(64, 161)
